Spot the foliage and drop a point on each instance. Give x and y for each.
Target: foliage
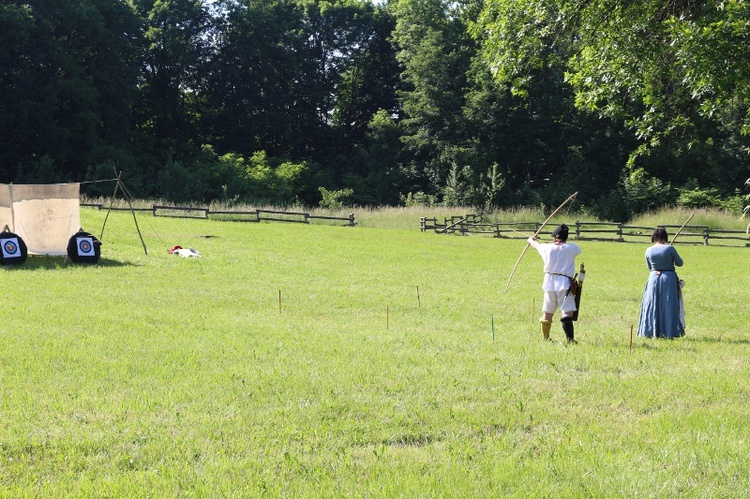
(272, 185)
(177, 182)
(652, 66)
(419, 199)
(334, 200)
(67, 85)
(434, 51)
(43, 170)
(369, 84)
(611, 206)
(644, 193)
(377, 175)
(692, 196)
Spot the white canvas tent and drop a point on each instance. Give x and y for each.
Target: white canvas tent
(45, 216)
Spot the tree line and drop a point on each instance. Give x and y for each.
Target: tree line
(482, 103)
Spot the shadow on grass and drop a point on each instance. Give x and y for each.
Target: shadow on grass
(719, 339)
(647, 345)
(655, 344)
(60, 262)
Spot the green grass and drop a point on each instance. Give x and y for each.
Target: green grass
(154, 375)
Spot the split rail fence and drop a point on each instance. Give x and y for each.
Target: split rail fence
(611, 231)
(259, 215)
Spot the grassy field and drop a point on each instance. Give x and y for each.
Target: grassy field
(320, 361)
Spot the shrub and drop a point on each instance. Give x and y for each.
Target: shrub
(177, 183)
(692, 196)
(333, 200)
(273, 185)
(419, 199)
(644, 193)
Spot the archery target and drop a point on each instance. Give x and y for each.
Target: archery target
(11, 248)
(85, 246)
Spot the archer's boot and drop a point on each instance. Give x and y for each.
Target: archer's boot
(567, 325)
(546, 326)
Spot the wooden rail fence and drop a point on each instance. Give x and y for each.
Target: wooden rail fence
(259, 215)
(611, 231)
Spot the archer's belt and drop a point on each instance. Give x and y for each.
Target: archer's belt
(555, 273)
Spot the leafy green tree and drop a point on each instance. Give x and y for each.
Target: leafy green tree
(380, 179)
(272, 185)
(334, 200)
(177, 36)
(675, 72)
(251, 80)
(273, 80)
(370, 82)
(68, 78)
(435, 52)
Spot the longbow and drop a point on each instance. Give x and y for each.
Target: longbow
(683, 226)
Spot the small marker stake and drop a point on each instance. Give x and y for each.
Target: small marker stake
(492, 322)
(631, 337)
(418, 300)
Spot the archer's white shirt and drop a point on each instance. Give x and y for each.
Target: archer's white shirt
(558, 259)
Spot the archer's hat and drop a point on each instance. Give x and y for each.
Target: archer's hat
(561, 232)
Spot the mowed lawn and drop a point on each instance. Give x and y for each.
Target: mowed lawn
(320, 361)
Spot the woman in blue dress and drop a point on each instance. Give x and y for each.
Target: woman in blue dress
(660, 310)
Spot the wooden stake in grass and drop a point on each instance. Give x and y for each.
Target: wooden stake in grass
(418, 300)
(631, 337)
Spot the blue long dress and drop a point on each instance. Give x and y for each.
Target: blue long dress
(660, 309)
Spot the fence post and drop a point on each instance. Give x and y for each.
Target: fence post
(422, 224)
(578, 229)
(351, 219)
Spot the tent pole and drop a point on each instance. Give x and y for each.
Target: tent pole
(111, 203)
(128, 197)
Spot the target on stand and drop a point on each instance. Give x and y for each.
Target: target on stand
(85, 246)
(11, 248)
